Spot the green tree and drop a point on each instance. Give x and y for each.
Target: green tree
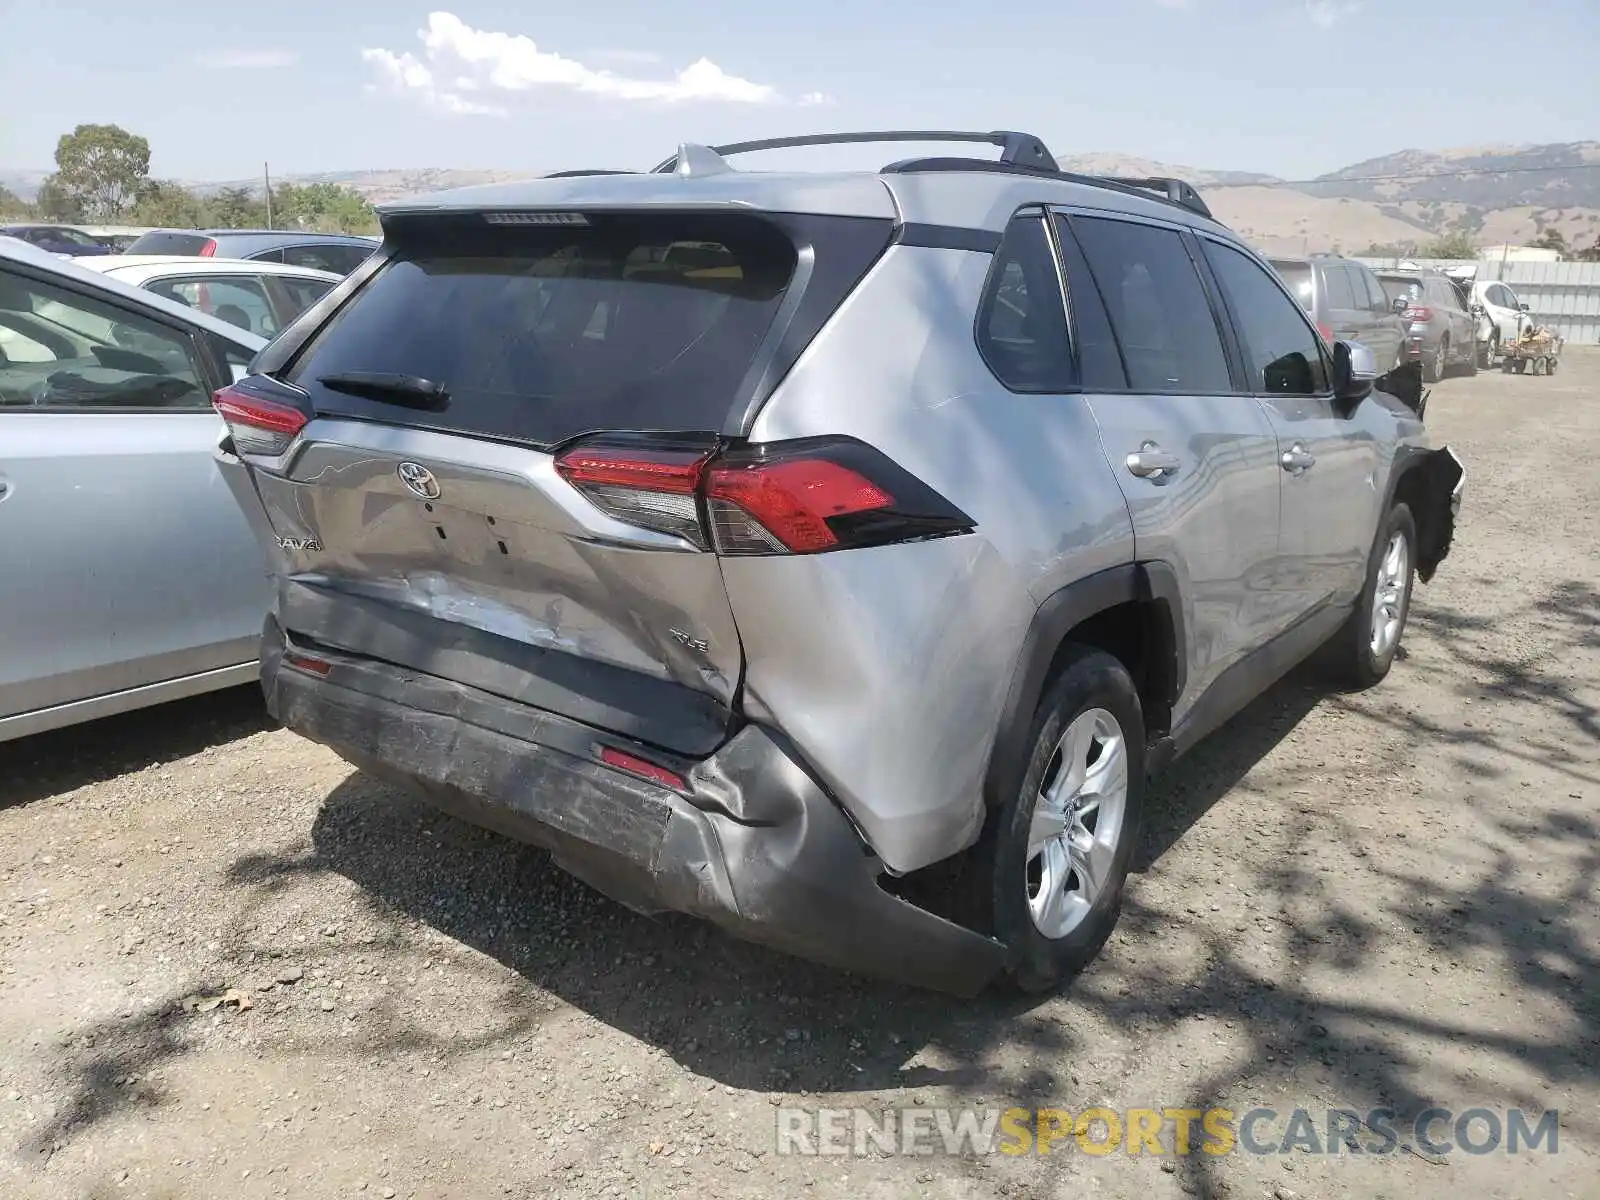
(236, 208)
(13, 205)
(102, 167)
(1552, 239)
(55, 203)
(324, 207)
(1451, 245)
(163, 202)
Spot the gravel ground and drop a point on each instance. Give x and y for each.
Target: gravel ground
(231, 967)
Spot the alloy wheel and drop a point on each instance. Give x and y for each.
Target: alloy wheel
(1389, 596)
(1078, 822)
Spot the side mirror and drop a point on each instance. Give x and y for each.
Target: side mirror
(1355, 370)
(1523, 307)
(1400, 304)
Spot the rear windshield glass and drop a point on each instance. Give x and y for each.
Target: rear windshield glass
(168, 243)
(1298, 278)
(1398, 287)
(630, 322)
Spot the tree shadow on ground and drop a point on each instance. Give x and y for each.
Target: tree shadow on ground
(752, 1019)
(49, 764)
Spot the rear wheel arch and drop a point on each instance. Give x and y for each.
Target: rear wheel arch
(1133, 612)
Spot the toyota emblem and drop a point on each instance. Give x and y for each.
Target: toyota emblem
(419, 480)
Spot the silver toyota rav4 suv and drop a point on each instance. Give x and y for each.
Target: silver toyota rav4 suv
(755, 541)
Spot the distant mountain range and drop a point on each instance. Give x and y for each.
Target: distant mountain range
(1491, 193)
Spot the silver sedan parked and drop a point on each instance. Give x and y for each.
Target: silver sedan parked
(128, 575)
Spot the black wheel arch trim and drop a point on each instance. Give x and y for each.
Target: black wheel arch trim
(1439, 472)
(1154, 583)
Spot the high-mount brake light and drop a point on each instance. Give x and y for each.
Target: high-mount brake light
(535, 218)
(209, 250)
(804, 496)
(258, 425)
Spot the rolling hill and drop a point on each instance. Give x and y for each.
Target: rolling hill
(1490, 193)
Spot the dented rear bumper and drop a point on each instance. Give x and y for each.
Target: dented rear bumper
(751, 843)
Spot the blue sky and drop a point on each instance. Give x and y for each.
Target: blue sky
(1291, 87)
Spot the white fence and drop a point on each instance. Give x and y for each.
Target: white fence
(1562, 295)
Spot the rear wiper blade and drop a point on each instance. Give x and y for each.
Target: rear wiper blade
(410, 390)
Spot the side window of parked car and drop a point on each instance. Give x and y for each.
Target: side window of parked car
(1157, 305)
(235, 299)
(1022, 321)
(1100, 366)
(1285, 353)
(300, 294)
(1376, 300)
(62, 349)
(341, 260)
(1336, 287)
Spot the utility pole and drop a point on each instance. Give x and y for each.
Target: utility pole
(266, 177)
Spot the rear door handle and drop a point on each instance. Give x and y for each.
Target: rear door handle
(1150, 461)
(1297, 459)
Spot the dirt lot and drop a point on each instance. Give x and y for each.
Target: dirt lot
(1386, 899)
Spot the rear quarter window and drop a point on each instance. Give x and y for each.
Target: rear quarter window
(540, 334)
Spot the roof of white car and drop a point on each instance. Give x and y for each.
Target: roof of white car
(141, 268)
(18, 251)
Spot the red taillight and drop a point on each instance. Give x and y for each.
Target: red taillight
(798, 497)
(304, 662)
(643, 768)
(258, 425)
(1327, 333)
(673, 471)
(1418, 312)
(652, 486)
(789, 502)
(209, 250)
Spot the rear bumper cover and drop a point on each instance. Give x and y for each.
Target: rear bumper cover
(753, 844)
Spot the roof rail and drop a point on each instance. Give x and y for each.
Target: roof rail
(1176, 190)
(583, 172)
(1171, 191)
(1022, 149)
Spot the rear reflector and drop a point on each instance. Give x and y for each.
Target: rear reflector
(643, 768)
(312, 666)
(258, 425)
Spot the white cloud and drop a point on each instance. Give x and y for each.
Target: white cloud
(815, 100)
(1325, 14)
(485, 62)
(248, 60)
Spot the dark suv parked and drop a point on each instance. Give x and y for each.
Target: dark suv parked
(1441, 331)
(1348, 304)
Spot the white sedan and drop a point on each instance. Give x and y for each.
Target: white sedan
(261, 297)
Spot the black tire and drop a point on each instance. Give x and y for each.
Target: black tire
(1349, 654)
(1089, 680)
(1435, 368)
(1489, 350)
(1550, 366)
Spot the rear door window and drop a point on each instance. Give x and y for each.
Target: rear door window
(630, 321)
(340, 259)
(294, 296)
(1336, 287)
(1157, 305)
(238, 300)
